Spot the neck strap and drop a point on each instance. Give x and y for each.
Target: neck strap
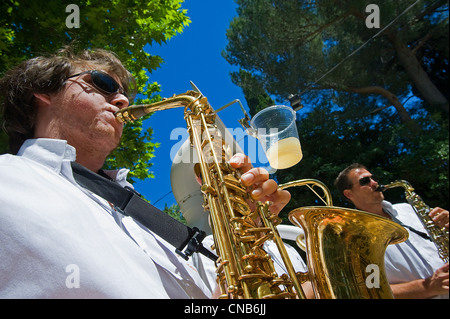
(186, 240)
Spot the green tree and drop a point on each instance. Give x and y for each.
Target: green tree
(174, 211)
(331, 141)
(31, 28)
(288, 45)
(254, 93)
(348, 78)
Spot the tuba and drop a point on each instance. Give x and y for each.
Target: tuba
(344, 247)
(438, 235)
(338, 243)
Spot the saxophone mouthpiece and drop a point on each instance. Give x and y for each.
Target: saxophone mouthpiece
(380, 188)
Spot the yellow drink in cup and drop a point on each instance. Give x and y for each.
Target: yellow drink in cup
(285, 153)
(276, 130)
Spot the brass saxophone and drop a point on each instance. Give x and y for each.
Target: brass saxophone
(438, 235)
(341, 243)
(244, 269)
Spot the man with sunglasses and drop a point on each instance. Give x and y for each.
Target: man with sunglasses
(414, 268)
(58, 239)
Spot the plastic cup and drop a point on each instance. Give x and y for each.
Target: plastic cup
(276, 130)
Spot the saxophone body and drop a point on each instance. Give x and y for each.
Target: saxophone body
(244, 269)
(340, 243)
(438, 235)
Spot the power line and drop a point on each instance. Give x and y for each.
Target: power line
(360, 47)
(161, 198)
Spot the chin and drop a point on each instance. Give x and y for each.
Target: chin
(115, 141)
(108, 139)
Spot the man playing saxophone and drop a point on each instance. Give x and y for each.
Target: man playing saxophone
(414, 268)
(57, 239)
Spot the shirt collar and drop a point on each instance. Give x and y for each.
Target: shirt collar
(389, 209)
(49, 152)
(53, 153)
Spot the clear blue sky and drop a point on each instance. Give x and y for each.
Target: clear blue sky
(194, 55)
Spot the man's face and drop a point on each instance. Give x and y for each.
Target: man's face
(363, 193)
(81, 112)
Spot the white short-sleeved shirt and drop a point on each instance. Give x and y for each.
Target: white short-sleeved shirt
(57, 240)
(415, 258)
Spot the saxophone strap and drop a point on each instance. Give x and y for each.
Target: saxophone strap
(418, 232)
(421, 234)
(128, 202)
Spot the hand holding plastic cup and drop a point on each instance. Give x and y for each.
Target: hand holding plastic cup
(276, 130)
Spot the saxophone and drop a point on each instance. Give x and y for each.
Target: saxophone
(244, 269)
(341, 243)
(438, 235)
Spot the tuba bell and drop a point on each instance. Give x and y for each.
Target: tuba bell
(344, 247)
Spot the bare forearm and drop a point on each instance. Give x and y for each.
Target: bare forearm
(416, 289)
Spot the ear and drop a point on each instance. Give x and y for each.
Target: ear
(348, 193)
(43, 98)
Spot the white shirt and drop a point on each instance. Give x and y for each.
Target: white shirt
(415, 258)
(57, 240)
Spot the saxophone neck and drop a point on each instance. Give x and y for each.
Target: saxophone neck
(399, 183)
(191, 99)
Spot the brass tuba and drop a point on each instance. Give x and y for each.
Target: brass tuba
(344, 247)
(438, 235)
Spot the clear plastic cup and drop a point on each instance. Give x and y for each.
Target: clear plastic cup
(276, 130)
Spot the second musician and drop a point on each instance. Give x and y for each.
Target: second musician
(414, 268)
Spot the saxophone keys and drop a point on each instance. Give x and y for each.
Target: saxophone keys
(208, 189)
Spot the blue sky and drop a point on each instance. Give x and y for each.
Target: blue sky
(194, 55)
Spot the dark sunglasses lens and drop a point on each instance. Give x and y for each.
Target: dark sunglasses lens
(364, 181)
(104, 82)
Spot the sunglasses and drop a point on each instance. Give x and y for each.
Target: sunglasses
(366, 180)
(103, 82)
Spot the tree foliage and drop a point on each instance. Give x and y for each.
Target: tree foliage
(174, 212)
(32, 28)
(331, 140)
(381, 100)
(289, 45)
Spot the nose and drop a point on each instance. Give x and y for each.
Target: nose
(120, 100)
(374, 183)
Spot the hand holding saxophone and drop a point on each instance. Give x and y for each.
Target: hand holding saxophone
(440, 216)
(438, 283)
(263, 188)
